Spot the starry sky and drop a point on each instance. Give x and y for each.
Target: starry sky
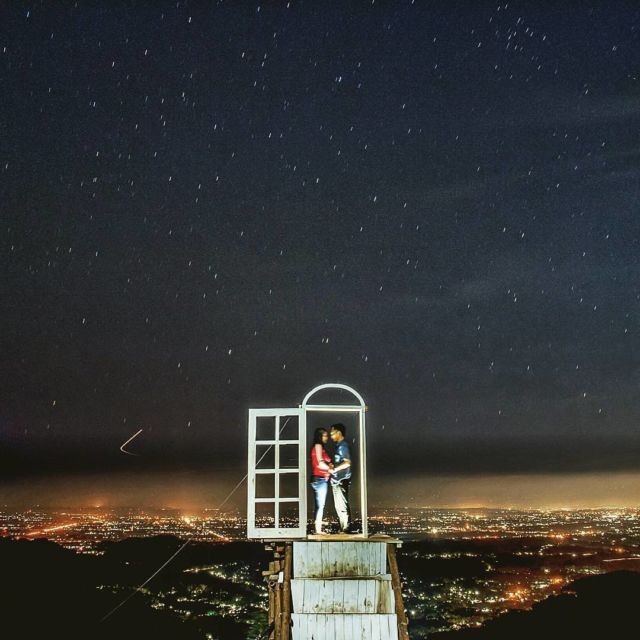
(211, 206)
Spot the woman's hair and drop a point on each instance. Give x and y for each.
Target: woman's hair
(317, 435)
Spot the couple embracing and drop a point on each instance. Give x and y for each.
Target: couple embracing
(334, 471)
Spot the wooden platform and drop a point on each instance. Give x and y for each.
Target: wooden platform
(339, 589)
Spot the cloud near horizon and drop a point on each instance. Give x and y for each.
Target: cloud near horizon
(197, 491)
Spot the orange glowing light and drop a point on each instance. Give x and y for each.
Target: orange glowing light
(39, 532)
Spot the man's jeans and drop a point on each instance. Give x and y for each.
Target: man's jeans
(341, 503)
(320, 488)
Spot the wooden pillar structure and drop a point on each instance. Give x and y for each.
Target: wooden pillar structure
(336, 590)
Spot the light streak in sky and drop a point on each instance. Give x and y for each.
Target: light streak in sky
(122, 447)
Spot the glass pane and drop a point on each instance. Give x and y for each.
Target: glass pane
(289, 456)
(265, 456)
(265, 515)
(289, 485)
(289, 428)
(289, 515)
(265, 428)
(265, 485)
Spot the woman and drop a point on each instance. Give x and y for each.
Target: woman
(320, 474)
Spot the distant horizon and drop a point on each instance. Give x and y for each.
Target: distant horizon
(196, 491)
(372, 514)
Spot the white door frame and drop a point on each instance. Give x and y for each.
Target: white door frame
(254, 531)
(276, 532)
(360, 409)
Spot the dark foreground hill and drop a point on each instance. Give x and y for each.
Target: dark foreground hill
(47, 591)
(595, 608)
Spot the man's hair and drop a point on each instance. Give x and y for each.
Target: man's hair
(339, 427)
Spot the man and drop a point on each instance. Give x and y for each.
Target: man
(341, 477)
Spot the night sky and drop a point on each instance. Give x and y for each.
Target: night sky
(212, 206)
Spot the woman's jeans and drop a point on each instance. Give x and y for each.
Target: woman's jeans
(320, 488)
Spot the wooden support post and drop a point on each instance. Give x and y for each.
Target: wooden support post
(272, 607)
(277, 617)
(286, 593)
(274, 587)
(403, 623)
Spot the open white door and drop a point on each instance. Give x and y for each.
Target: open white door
(277, 492)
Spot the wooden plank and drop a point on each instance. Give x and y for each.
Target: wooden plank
(310, 559)
(307, 603)
(393, 627)
(297, 594)
(386, 603)
(339, 627)
(344, 627)
(349, 629)
(331, 629)
(299, 558)
(328, 560)
(338, 594)
(367, 624)
(372, 596)
(403, 623)
(330, 587)
(277, 619)
(304, 595)
(350, 598)
(362, 596)
(372, 589)
(322, 599)
(336, 567)
(272, 608)
(374, 560)
(381, 630)
(325, 602)
(314, 560)
(361, 558)
(316, 598)
(382, 560)
(300, 627)
(349, 559)
(337, 562)
(333, 555)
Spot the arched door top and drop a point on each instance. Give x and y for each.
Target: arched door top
(333, 385)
